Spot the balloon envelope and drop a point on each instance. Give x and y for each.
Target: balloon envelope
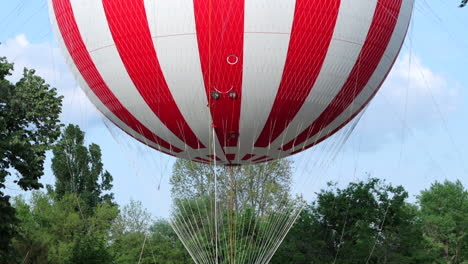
(236, 81)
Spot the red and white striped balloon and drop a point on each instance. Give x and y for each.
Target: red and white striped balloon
(269, 77)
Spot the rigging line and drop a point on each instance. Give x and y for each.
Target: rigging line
(460, 20)
(251, 242)
(284, 236)
(283, 233)
(202, 227)
(26, 257)
(337, 145)
(210, 215)
(276, 222)
(342, 233)
(179, 234)
(431, 11)
(405, 111)
(187, 238)
(280, 219)
(152, 251)
(17, 9)
(216, 193)
(444, 123)
(142, 248)
(327, 147)
(281, 222)
(186, 231)
(238, 215)
(409, 130)
(231, 197)
(246, 241)
(379, 232)
(210, 235)
(332, 148)
(28, 20)
(204, 254)
(189, 234)
(263, 216)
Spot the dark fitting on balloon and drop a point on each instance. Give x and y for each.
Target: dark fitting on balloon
(233, 135)
(233, 95)
(215, 95)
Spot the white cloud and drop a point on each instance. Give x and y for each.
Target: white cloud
(413, 96)
(21, 40)
(48, 62)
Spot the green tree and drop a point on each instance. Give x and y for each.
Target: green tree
(166, 246)
(463, 3)
(133, 218)
(134, 236)
(254, 208)
(89, 249)
(79, 169)
(361, 223)
(29, 125)
(444, 214)
(55, 231)
(129, 231)
(263, 187)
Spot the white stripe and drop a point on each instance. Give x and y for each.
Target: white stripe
(92, 23)
(381, 71)
(264, 59)
(351, 29)
(84, 86)
(173, 29)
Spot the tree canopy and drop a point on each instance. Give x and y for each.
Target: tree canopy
(362, 223)
(444, 215)
(78, 169)
(29, 125)
(259, 186)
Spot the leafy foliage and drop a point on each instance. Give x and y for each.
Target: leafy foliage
(254, 208)
(263, 187)
(463, 3)
(444, 214)
(56, 231)
(79, 170)
(361, 223)
(29, 125)
(133, 236)
(255, 235)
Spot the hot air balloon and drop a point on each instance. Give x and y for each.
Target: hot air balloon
(230, 82)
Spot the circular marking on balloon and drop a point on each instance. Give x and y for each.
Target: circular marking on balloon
(232, 59)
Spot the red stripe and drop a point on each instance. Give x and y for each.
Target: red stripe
(248, 156)
(230, 157)
(360, 109)
(312, 31)
(130, 30)
(220, 34)
(378, 38)
(146, 143)
(77, 49)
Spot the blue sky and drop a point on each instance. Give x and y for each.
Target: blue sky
(413, 133)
